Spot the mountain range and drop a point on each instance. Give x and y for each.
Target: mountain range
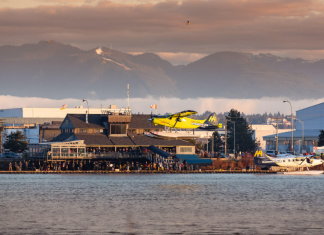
(50, 69)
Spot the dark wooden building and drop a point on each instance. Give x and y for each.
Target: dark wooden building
(114, 132)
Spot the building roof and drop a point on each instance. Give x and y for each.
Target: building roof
(140, 121)
(95, 121)
(94, 139)
(61, 137)
(308, 135)
(159, 151)
(194, 159)
(320, 105)
(123, 140)
(140, 139)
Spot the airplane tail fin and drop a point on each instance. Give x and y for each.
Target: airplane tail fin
(259, 156)
(212, 120)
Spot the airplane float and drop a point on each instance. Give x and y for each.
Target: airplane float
(262, 160)
(181, 121)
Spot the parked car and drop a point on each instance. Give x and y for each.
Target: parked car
(10, 155)
(271, 153)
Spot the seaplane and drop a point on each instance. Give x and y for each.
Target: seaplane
(181, 121)
(262, 160)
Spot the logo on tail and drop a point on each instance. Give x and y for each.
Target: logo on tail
(258, 153)
(212, 119)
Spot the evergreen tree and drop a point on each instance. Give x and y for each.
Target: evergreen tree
(321, 138)
(243, 133)
(16, 142)
(218, 143)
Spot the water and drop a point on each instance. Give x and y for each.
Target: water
(161, 204)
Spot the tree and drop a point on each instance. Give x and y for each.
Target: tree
(197, 144)
(16, 142)
(321, 138)
(218, 143)
(243, 133)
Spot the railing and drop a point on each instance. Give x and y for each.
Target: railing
(113, 155)
(101, 155)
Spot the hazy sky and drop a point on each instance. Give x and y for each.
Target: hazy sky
(282, 27)
(171, 105)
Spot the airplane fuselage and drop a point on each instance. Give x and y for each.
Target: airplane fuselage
(181, 123)
(293, 161)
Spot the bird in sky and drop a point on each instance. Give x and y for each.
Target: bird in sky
(188, 23)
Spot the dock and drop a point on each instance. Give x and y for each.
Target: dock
(143, 172)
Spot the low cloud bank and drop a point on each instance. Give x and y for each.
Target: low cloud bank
(170, 105)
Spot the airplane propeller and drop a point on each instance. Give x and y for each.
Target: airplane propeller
(151, 119)
(177, 120)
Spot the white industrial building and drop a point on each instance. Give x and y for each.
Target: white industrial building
(27, 120)
(54, 112)
(261, 130)
(309, 122)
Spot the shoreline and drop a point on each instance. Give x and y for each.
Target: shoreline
(142, 172)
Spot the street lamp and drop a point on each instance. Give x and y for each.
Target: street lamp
(84, 100)
(302, 122)
(292, 126)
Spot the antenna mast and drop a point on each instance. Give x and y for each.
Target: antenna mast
(128, 97)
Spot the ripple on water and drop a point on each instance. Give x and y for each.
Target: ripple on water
(161, 204)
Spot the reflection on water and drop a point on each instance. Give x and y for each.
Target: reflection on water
(161, 204)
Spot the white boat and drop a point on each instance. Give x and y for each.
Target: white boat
(301, 172)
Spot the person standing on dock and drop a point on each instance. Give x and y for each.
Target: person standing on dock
(26, 164)
(10, 166)
(20, 166)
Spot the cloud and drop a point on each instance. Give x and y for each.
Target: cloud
(214, 25)
(168, 105)
(180, 58)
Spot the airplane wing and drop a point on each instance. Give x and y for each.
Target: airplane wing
(185, 113)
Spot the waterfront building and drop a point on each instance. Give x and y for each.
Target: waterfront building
(42, 124)
(261, 130)
(309, 121)
(115, 132)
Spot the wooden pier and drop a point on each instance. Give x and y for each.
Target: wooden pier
(142, 172)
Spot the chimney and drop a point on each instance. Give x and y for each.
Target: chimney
(86, 116)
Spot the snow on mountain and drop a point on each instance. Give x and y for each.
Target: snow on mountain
(99, 51)
(122, 65)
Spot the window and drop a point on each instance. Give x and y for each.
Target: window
(67, 122)
(118, 129)
(185, 149)
(82, 130)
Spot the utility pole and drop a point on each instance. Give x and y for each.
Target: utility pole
(213, 144)
(207, 142)
(292, 126)
(1, 129)
(277, 137)
(234, 141)
(225, 136)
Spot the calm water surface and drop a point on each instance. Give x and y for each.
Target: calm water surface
(161, 204)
